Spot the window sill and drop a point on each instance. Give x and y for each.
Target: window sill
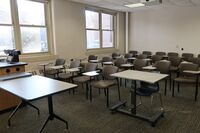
(37, 58)
(101, 51)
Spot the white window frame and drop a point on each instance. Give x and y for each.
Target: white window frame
(17, 32)
(100, 11)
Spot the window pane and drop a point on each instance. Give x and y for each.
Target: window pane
(92, 19)
(31, 13)
(5, 12)
(6, 38)
(34, 39)
(107, 21)
(93, 39)
(107, 39)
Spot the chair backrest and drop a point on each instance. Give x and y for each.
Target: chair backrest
(119, 61)
(59, 62)
(107, 70)
(175, 61)
(128, 55)
(156, 58)
(163, 66)
(187, 56)
(172, 54)
(195, 61)
(75, 64)
(90, 67)
(187, 66)
(92, 57)
(114, 55)
(139, 64)
(198, 56)
(106, 59)
(161, 53)
(133, 52)
(148, 53)
(142, 56)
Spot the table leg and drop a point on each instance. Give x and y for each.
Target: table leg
(16, 109)
(52, 115)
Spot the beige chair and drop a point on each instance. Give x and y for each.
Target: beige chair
(142, 56)
(156, 58)
(139, 64)
(148, 53)
(175, 62)
(85, 79)
(115, 55)
(106, 59)
(68, 76)
(187, 56)
(161, 53)
(134, 53)
(172, 54)
(184, 77)
(107, 82)
(146, 89)
(52, 72)
(163, 67)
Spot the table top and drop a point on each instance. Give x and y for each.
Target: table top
(192, 72)
(34, 87)
(91, 74)
(72, 69)
(147, 59)
(140, 76)
(127, 65)
(5, 64)
(149, 68)
(108, 63)
(132, 58)
(44, 64)
(57, 67)
(94, 61)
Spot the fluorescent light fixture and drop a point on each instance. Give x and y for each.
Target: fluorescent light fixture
(135, 5)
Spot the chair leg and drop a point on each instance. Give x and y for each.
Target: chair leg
(196, 88)
(118, 90)
(161, 101)
(165, 87)
(173, 88)
(170, 81)
(99, 91)
(107, 104)
(104, 91)
(178, 87)
(151, 99)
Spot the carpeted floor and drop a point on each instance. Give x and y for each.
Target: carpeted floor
(182, 114)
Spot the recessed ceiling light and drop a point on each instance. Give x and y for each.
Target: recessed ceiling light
(135, 5)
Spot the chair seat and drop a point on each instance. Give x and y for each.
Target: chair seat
(81, 79)
(147, 90)
(65, 75)
(185, 79)
(103, 83)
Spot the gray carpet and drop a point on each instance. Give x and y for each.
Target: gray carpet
(182, 114)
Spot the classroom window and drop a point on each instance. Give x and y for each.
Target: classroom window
(99, 29)
(24, 26)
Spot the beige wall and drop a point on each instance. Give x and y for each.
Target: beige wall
(166, 29)
(69, 33)
(69, 30)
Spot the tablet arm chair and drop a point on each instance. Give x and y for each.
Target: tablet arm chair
(185, 77)
(107, 81)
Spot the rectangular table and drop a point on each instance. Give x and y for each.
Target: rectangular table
(35, 87)
(148, 77)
